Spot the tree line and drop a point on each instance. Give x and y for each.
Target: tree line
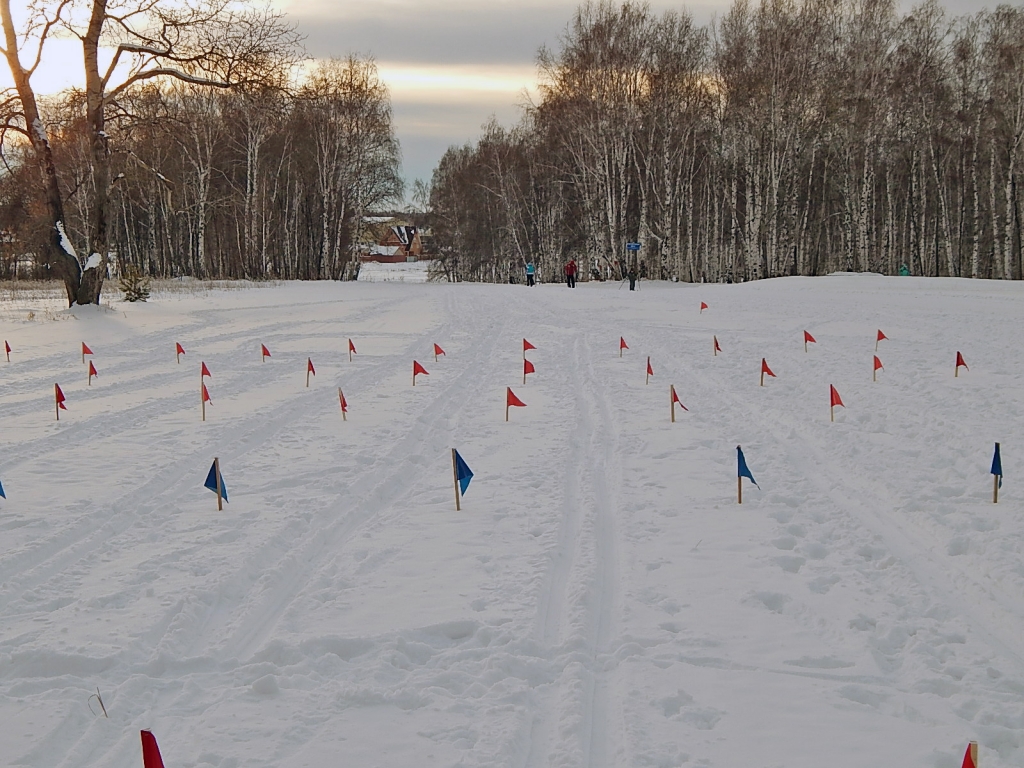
(791, 137)
(206, 149)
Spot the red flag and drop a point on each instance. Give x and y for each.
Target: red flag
(971, 756)
(878, 363)
(834, 396)
(344, 402)
(960, 361)
(351, 346)
(675, 399)
(7, 348)
(85, 349)
(809, 338)
(703, 306)
(178, 349)
(264, 351)
(92, 370)
(527, 345)
(417, 368)
(650, 371)
(438, 351)
(717, 348)
(58, 393)
(512, 400)
(622, 343)
(150, 751)
(881, 336)
(206, 395)
(528, 368)
(205, 372)
(765, 369)
(309, 366)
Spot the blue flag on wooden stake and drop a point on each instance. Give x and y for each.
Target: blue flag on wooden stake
(997, 466)
(463, 473)
(211, 482)
(742, 469)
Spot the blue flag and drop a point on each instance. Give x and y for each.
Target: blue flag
(742, 469)
(997, 466)
(2, 494)
(211, 482)
(463, 473)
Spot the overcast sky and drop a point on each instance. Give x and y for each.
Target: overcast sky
(451, 64)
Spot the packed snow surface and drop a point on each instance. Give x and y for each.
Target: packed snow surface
(601, 600)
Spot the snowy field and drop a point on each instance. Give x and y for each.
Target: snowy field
(600, 601)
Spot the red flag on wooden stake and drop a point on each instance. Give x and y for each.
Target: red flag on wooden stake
(765, 370)
(309, 369)
(622, 345)
(703, 306)
(85, 351)
(205, 371)
(7, 350)
(834, 400)
(971, 756)
(264, 353)
(343, 402)
(809, 338)
(674, 400)
(351, 350)
(206, 395)
(959, 362)
(527, 345)
(877, 368)
(512, 401)
(58, 396)
(438, 351)
(417, 369)
(92, 372)
(717, 347)
(650, 371)
(150, 751)
(527, 368)
(880, 337)
(178, 352)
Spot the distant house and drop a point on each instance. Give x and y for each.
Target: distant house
(398, 243)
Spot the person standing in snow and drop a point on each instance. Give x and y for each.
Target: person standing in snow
(570, 273)
(632, 276)
(530, 272)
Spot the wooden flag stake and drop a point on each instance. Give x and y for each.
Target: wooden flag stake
(307, 376)
(341, 399)
(202, 400)
(672, 400)
(455, 474)
(762, 375)
(995, 484)
(647, 378)
(220, 490)
(714, 348)
(739, 490)
(506, 406)
(56, 402)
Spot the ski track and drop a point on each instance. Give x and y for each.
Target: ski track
(570, 660)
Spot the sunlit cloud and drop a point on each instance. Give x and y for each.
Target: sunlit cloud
(456, 84)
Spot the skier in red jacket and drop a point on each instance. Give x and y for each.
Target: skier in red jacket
(570, 273)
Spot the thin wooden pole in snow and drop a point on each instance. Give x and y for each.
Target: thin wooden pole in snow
(672, 400)
(341, 399)
(739, 490)
(220, 489)
(455, 474)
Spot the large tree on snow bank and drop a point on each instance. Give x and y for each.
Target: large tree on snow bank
(214, 43)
